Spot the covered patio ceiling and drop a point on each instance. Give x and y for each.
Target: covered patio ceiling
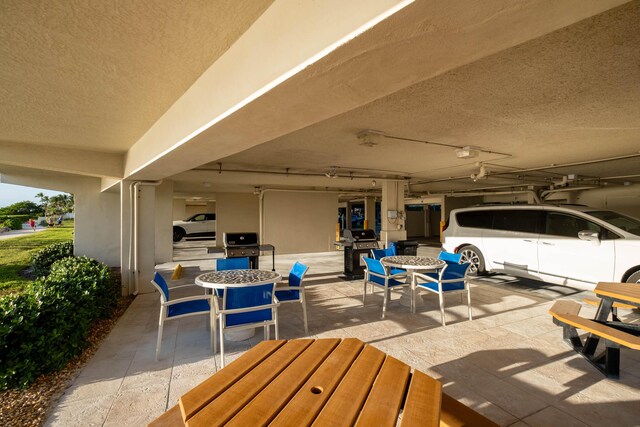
(563, 104)
(538, 90)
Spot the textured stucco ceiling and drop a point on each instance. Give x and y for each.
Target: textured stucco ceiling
(570, 96)
(98, 74)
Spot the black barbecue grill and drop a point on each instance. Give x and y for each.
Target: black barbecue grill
(238, 245)
(357, 244)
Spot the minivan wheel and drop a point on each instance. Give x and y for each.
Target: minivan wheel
(178, 234)
(473, 255)
(634, 278)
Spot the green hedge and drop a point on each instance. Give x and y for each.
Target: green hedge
(14, 222)
(47, 325)
(44, 258)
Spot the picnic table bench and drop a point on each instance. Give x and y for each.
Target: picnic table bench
(614, 333)
(323, 382)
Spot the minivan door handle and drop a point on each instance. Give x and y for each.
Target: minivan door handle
(548, 244)
(528, 240)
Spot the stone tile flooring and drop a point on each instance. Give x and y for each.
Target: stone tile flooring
(510, 363)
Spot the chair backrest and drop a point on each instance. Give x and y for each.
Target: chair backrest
(381, 253)
(450, 257)
(245, 297)
(232, 263)
(455, 271)
(297, 274)
(159, 282)
(375, 266)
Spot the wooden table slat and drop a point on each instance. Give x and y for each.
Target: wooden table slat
(266, 405)
(308, 402)
(239, 394)
(422, 405)
(343, 407)
(385, 399)
(624, 291)
(171, 418)
(198, 397)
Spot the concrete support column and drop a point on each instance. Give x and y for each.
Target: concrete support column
(392, 229)
(163, 222)
(370, 211)
(146, 240)
(125, 237)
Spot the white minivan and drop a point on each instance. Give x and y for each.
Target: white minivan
(563, 244)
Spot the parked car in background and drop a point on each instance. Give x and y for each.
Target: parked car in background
(563, 244)
(199, 225)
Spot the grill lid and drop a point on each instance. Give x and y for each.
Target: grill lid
(240, 239)
(366, 234)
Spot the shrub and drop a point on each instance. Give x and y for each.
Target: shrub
(47, 325)
(42, 260)
(14, 222)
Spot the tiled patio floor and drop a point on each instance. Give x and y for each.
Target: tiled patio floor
(509, 363)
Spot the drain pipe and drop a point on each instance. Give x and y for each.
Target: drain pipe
(133, 231)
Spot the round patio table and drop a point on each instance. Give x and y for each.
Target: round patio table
(237, 278)
(412, 264)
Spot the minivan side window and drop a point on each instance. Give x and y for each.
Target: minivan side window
(210, 217)
(560, 224)
(475, 219)
(521, 220)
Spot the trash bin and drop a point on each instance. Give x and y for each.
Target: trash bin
(407, 247)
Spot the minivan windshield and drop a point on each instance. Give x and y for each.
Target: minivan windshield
(628, 224)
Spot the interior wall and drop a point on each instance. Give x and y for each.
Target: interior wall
(416, 221)
(300, 222)
(450, 203)
(624, 199)
(190, 210)
(179, 209)
(237, 212)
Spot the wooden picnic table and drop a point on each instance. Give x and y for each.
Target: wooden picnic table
(303, 382)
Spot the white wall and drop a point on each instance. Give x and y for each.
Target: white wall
(624, 199)
(179, 209)
(164, 222)
(299, 222)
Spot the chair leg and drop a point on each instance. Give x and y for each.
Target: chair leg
(469, 302)
(163, 311)
(275, 316)
(441, 299)
(221, 342)
(304, 315)
(384, 301)
(364, 292)
(212, 329)
(265, 333)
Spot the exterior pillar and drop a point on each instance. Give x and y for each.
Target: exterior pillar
(392, 212)
(163, 222)
(370, 212)
(125, 237)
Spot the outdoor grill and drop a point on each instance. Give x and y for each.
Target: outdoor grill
(238, 245)
(357, 244)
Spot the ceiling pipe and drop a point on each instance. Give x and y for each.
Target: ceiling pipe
(546, 193)
(288, 172)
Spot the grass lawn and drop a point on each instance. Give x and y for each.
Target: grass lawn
(15, 254)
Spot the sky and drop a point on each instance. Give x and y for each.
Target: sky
(10, 194)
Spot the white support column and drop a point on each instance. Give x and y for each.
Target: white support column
(125, 236)
(392, 229)
(163, 222)
(146, 240)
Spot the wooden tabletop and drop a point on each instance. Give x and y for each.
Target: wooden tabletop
(324, 382)
(627, 292)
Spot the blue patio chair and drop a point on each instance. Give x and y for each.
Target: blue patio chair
(449, 257)
(377, 274)
(294, 291)
(246, 307)
(451, 278)
(381, 253)
(182, 307)
(232, 263)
